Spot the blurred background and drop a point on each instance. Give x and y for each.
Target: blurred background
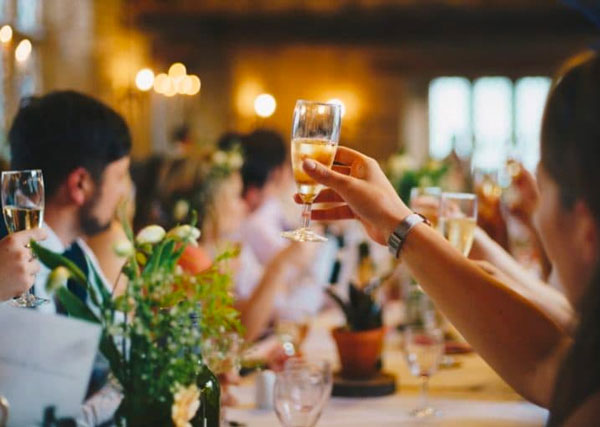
(426, 77)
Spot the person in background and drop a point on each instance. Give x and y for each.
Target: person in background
(541, 357)
(181, 141)
(267, 179)
(82, 147)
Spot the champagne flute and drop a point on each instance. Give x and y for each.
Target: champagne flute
(23, 209)
(426, 201)
(315, 135)
(423, 350)
(458, 219)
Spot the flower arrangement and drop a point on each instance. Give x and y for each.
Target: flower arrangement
(404, 174)
(153, 333)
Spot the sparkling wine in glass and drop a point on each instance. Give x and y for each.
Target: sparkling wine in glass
(426, 201)
(315, 135)
(458, 219)
(423, 350)
(23, 209)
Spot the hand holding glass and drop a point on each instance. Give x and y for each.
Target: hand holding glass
(23, 209)
(315, 135)
(458, 218)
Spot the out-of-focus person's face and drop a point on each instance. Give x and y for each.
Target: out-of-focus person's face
(229, 206)
(97, 213)
(555, 224)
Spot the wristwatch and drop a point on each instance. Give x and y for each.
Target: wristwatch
(398, 236)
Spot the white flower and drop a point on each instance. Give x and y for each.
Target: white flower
(235, 160)
(123, 248)
(400, 163)
(186, 402)
(219, 157)
(181, 210)
(185, 233)
(57, 278)
(150, 234)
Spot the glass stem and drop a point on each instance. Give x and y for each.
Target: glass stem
(424, 391)
(306, 209)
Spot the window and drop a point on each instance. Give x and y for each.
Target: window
(28, 15)
(488, 119)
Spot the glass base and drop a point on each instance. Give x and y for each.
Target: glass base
(425, 412)
(303, 235)
(28, 301)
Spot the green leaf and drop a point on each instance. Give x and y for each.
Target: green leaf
(74, 306)
(52, 260)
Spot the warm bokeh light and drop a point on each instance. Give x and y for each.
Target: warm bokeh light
(23, 50)
(144, 80)
(6, 34)
(264, 105)
(339, 102)
(161, 83)
(184, 85)
(195, 85)
(177, 70)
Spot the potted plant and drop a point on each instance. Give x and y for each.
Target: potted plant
(152, 334)
(360, 341)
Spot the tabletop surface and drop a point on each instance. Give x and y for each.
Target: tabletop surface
(467, 394)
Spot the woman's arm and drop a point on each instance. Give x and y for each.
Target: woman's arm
(547, 298)
(521, 342)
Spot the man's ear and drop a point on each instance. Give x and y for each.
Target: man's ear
(80, 186)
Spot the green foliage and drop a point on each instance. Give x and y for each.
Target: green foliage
(153, 333)
(361, 310)
(404, 175)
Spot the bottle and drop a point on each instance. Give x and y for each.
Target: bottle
(209, 413)
(366, 266)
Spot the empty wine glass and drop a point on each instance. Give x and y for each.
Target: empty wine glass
(322, 366)
(222, 353)
(423, 350)
(299, 397)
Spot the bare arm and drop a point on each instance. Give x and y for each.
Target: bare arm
(547, 298)
(518, 339)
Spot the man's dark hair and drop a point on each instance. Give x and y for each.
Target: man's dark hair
(264, 150)
(180, 134)
(65, 130)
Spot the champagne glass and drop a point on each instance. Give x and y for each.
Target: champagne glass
(426, 201)
(315, 135)
(299, 397)
(23, 209)
(458, 219)
(423, 351)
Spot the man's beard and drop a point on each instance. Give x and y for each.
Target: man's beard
(90, 225)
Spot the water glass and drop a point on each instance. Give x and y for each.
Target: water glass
(299, 397)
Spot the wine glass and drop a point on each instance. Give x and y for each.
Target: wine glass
(458, 219)
(222, 353)
(426, 201)
(423, 351)
(315, 135)
(299, 397)
(23, 209)
(322, 366)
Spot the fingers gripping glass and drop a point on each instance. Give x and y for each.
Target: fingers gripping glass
(23, 209)
(315, 135)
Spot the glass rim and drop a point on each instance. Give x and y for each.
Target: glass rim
(461, 196)
(14, 172)
(306, 101)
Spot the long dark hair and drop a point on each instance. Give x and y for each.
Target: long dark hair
(571, 156)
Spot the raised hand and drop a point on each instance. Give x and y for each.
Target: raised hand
(17, 264)
(363, 192)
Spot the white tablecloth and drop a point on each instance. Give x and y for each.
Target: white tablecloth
(468, 395)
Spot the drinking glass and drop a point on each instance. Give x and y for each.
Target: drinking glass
(299, 397)
(458, 219)
(322, 366)
(423, 351)
(315, 135)
(23, 209)
(426, 201)
(222, 354)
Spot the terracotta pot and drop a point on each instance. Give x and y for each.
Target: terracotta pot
(359, 351)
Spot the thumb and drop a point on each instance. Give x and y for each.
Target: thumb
(325, 176)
